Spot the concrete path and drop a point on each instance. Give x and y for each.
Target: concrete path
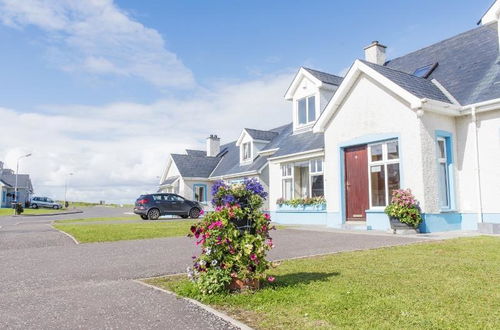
(47, 281)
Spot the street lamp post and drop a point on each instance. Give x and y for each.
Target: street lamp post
(66, 188)
(17, 173)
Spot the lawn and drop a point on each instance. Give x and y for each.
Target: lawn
(441, 285)
(89, 233)
(86, 220)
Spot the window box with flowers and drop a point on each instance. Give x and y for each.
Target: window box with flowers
(308, 204)
(403, 211)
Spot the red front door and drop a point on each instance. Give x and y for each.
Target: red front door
(356, 182)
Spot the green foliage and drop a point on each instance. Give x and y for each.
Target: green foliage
(302, 201)
(234, 240)
(404, 207)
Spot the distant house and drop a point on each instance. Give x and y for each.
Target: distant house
(428, 121)
(8, 184)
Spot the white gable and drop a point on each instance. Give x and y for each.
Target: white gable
(492, 14)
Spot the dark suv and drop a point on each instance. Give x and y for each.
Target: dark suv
(153, 206)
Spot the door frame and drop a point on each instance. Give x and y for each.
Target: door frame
(360, 147)
(365, 139)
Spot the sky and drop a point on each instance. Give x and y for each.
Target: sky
(107, 89)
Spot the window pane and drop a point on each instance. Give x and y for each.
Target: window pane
(287, 189)
(311, 110)
(441, 149)
(377, 185)
(317, 186)
(302, 112)
(376, 152)
(319, 166)
(392, 150)
(393, 178)
(443, 186)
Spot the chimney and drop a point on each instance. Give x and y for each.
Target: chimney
(375, 53)
(213, 145)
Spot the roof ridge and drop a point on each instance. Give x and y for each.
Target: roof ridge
(331, 74)
(441, 41)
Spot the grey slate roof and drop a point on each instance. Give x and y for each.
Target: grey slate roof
(261, 135)
(170, 180)
(192, 152)
(326, 77)
(230, 163)
(468, 64)
(195, 166)
(23, 180)
(289, 143)
(420, 87)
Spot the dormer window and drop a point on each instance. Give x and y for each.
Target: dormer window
(246, 151)
(306, 110)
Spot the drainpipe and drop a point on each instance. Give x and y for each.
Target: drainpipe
(478, 171)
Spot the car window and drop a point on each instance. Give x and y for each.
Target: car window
(177, 198)
(50, 200)
(157, 197)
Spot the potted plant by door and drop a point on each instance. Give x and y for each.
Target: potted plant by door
(403, 211)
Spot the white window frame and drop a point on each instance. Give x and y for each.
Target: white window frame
(313, 171)
(444, 161)
(308, 122)
(250, 152)
(384, 162)
(287, 174)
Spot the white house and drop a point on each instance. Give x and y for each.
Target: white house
(428, 121)
(8, 187)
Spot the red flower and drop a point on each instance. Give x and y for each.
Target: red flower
(271, 279)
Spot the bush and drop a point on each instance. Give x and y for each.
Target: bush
(234, 238)
(19, 209)
(404, 207)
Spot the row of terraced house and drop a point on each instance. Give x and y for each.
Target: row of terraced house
(428, 121)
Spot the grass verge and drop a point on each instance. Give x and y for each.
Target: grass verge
(90, 233)
(449, 284)
(8, 211)
(86, 220)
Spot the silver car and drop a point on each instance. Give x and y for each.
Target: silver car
(37, 202)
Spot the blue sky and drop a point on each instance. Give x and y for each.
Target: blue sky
(106, 89)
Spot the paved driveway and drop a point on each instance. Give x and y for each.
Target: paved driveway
(47, 281)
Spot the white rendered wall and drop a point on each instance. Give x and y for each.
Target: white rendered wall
(274, 184)
(489, 162)
(430, 123)
(370, 110)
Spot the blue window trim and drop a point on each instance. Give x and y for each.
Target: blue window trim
(448, 138)
(362, 140)
(204, 192)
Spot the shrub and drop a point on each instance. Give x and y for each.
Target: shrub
(234, 239)
(404, 207)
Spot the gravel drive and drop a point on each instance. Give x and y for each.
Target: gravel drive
(47, 281)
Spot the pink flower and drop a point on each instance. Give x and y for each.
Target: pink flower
(253, 257)
(267, 216)
(270, 278)
(217, 223)
(202, 212)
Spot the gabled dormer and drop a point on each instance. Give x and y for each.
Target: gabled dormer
(310, 92)
(251, 141)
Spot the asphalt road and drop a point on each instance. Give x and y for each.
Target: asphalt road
(47, 281)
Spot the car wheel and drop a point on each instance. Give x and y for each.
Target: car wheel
(34, 206)
(194, 213)
(55, 207)
(184, 216)
(144, 217)
(153, 214)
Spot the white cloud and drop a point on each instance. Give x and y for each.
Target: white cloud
(117, 150)
(95, 36)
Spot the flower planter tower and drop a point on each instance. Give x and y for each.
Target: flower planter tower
(234, 240)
